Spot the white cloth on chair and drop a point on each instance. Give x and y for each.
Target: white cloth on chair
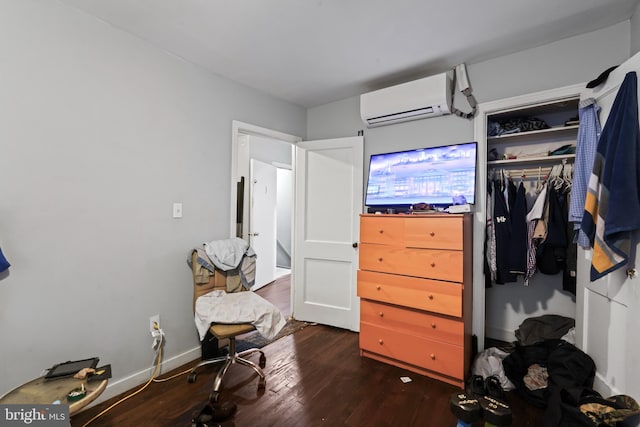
(238, 307)
(227, 254)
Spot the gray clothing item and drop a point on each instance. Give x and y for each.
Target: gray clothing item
(227, 254)
(549, 326)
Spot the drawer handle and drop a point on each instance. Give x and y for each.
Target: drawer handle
(380, 259)
(432, 234)
(433, 325)
(381, 314)
(380, 341)
(431, 296)
(432, 356)
(433, 264)
(378, 287)
(381, 231)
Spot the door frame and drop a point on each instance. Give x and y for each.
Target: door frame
(241, 128)
(484, 110)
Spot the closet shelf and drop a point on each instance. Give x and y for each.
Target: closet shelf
(525, 160)
(512, 136)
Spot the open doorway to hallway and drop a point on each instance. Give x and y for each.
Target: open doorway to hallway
(262, 160)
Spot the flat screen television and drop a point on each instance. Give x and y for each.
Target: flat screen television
(440, 176)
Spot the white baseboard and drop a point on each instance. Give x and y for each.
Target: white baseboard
(606, 389)
(139, 378)
(499, 334)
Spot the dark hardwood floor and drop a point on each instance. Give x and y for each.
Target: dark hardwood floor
(315, 377)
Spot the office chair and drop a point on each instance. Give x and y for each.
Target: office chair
(218, 281)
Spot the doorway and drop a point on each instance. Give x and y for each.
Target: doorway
(262, 183)
(326, 179)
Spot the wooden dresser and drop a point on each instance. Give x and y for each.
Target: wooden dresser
(415, 290)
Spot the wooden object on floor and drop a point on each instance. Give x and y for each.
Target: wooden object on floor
(415, 287)
(46, 391)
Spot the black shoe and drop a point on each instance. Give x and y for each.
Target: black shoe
(214, 412)
(494, 388)
(476, 386)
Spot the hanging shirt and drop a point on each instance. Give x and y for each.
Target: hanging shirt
(490, 241)
(588, 134)
(535, 214)
(531, 252)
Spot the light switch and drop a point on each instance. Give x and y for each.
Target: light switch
(177, 210)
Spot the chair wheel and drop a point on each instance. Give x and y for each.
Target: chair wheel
(214, 396)
(263, 360)
(262, 384)
(192, 377)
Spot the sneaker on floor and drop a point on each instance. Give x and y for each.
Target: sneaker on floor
(494, 388)
(476, 386)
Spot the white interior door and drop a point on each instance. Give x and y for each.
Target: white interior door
(610, 306)
(263, 220)
(328, 201)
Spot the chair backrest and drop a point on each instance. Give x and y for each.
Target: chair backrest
(217, 281)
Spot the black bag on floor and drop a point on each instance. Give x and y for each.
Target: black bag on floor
(567, 366)
(209, 347)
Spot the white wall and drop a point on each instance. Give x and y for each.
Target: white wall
(635, 31)
(101, 133)
(570, 61)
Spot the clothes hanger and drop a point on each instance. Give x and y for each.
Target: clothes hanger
(539, 182)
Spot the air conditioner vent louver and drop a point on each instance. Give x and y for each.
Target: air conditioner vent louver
(427, 97)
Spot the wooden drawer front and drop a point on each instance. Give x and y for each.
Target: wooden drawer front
(435, 233)
(428, 263)
(437, 356)
(413, 322)
(382, 230)
(423, 294)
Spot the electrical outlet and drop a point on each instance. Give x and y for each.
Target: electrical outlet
(154, 323)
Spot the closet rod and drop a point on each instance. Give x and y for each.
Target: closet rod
(529, 173)
(542, 172)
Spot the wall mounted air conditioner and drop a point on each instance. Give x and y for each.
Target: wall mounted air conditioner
(418, 99)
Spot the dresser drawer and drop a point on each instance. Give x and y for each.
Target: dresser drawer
(423, 294)
(413, 322)
(427, 263)
(434, 355)
(435, 233)
(382, 230)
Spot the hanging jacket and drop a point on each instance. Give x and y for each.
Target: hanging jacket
(551, 254)
(518, 240)
(502, 227)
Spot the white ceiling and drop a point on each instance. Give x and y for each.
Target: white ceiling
(311, 52)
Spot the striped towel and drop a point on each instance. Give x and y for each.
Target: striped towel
(612, 204)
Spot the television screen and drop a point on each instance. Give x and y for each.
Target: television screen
(440, 176)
